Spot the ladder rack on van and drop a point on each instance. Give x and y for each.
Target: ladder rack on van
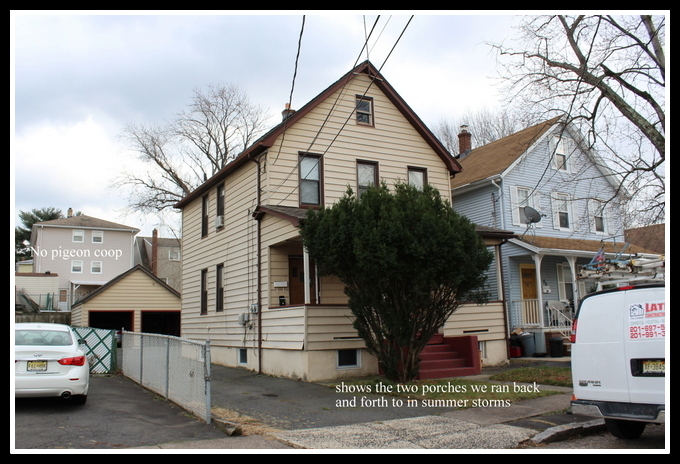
(620, 271)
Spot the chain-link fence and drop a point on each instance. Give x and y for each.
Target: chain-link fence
(176, 368)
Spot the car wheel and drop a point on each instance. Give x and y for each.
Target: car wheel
(624, 428)
(78, 399)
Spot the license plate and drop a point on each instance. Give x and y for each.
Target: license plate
(34, 366)
(653, 367)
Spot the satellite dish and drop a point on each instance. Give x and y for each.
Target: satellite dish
(532, 215)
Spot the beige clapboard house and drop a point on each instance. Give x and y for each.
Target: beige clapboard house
(248, 285)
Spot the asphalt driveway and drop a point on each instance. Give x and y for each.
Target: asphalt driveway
(118, 414)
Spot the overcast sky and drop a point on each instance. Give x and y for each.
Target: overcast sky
(80, 77)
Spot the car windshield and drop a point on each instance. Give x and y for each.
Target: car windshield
(42, 337)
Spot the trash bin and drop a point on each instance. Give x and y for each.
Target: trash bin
(528, 344)
(515, 346)
(556, 347)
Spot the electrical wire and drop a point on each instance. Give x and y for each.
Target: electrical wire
(318, 160)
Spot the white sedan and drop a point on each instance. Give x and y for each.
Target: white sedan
(49, 360)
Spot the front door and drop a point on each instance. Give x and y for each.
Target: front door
(296, 276)
(530, 313)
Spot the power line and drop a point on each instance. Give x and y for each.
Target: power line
(350, 115)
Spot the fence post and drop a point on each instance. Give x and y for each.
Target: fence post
(207, 374)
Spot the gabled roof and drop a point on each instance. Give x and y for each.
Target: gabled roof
(268, 139)
(492, 159)
(120, 277)
(85, 222)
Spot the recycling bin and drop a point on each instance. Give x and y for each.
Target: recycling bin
(528, 344)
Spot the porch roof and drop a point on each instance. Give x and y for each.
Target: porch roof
(576, 247)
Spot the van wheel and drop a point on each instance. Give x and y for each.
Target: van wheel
(624, 428)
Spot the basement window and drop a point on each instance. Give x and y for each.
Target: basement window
(242, 356)
(348, 358)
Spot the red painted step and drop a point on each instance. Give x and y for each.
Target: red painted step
(439, 360)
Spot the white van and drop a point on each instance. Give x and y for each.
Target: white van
(618, 358)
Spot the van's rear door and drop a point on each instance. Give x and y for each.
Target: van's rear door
(645, 337)
(599, 366)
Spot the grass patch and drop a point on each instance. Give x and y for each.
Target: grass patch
(557, 376)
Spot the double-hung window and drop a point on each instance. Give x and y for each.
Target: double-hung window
(219, 287)
(204, 291)
(310, 168)
(364, 110)
(562, 211)
(204, 216)
(598, 216)
(78, 236)
(417, 177)
(367, 176)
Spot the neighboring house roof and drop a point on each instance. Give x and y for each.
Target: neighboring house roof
(268, 139)
(141, 254)
(651, 237)
(494, 158)
(120, 277)
(85, 222)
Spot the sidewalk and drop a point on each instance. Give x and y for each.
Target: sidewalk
(298, 415)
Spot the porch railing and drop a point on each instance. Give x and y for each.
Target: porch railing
(556, 315)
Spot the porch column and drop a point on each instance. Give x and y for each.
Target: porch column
(540, 340)
(305, 260)
(574, 282)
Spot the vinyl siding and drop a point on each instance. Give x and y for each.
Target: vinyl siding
(135, 292)
(392, 142)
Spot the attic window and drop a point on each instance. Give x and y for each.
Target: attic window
(364, 110)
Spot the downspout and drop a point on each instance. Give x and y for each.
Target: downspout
(500, 202)
(504, 301)
(259, 270)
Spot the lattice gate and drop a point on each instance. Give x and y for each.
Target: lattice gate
(102, 349)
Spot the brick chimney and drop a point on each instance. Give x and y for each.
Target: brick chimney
(69, 213)
(287, 112)
(154, 252)
(464, 142)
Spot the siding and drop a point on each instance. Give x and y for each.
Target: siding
(392, 142)
(135, 292)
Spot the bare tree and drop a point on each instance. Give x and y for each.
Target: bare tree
(485, 126)
(216, 126)
(608, 75)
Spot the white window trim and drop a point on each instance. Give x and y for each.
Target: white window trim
(348, 366)
(78, 236)
(561, 146)
(74, 263)
(92, 267)
(97, 233)
(533, 200)
(557, 199)
(593, 207)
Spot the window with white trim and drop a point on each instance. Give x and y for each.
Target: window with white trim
(97, 236)
(310, 180)
(96, 267)
(78, 235)
(562, 216)
(598, 216)
(522, 197)
(77, 267)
